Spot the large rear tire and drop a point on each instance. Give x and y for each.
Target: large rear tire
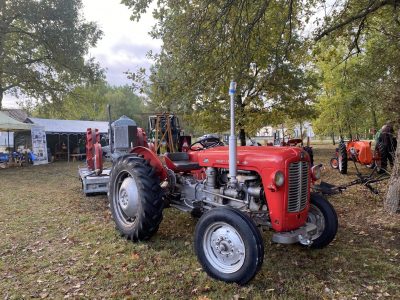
(228, 245)
(135, 198)
(323, 215)
(342, 158)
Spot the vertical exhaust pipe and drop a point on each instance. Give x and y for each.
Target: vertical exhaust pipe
(232, 137)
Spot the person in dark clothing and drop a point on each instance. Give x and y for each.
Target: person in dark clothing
(388, 142)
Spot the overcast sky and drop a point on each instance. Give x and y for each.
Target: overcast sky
(124, 44)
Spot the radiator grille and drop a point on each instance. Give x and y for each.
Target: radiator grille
(298, 186)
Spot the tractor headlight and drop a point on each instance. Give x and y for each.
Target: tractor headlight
(316, 172)
(279, 178)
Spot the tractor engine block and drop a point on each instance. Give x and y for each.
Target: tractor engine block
(215, 191)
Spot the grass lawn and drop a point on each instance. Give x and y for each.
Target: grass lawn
(57, 243)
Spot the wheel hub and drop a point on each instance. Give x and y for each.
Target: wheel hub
(227, 251)
(128, 197)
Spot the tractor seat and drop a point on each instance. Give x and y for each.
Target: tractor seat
(179, 162)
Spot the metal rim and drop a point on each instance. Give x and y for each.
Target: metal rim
(315, 216)
(334, 163)
(126, 198)
(224, 247)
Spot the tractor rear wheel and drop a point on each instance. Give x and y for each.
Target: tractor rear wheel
(342, 158)
(323, 215)
(228, 245)
(135, 198)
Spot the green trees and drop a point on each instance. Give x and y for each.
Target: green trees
(370, 29)
(42, 48)
(207, 43)
(347, 103)
(90, 103)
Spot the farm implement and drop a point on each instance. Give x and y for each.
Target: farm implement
(359, 152)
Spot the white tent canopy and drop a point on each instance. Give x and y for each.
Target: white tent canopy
(68, 126)
(9, 124)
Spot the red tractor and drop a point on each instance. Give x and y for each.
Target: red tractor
(356, 151)
(233, 190)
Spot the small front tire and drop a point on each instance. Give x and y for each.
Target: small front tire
(228, 245)
(334, 163)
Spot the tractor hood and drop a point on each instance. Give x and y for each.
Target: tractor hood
(249, 157)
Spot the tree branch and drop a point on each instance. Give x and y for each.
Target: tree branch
(362, 14)
(6, 88)
(32, 61)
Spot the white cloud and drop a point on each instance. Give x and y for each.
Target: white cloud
(124, 44)
(9, 102)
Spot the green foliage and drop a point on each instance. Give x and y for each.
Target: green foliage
(360, 79)
(207, 43)
(42, 48)
(90, 103)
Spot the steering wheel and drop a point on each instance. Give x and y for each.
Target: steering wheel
(206, 143)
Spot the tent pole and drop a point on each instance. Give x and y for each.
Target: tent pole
(68, 145)
(8, 140)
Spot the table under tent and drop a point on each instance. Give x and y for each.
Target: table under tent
(66, 138)
(8, 124)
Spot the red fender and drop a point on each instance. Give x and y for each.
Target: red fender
(153, 159)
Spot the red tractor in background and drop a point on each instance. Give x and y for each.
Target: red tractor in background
(299, 143)
(356, 151)
(233, 190)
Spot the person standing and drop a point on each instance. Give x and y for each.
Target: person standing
(388, 144)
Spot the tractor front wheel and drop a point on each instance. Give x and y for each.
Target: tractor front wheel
(342, 158)
(323, 215)
(228, 245)
(135, 198)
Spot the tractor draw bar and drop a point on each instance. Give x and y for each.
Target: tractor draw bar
(365, 180)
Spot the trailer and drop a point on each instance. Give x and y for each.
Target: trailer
(93, 184)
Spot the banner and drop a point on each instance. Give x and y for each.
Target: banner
(39, 145)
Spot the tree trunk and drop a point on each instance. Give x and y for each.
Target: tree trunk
(350, 132)
(301, 132)
(1, 99)
(392, 201)
(242, 133)
(374, 121)
(242, 137)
